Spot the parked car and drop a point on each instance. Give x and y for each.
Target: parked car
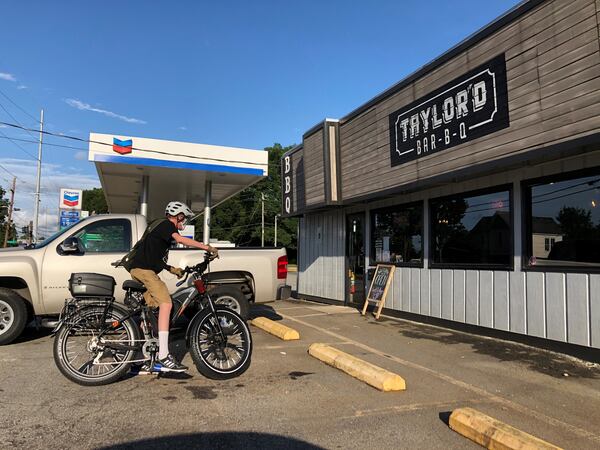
(34, 281)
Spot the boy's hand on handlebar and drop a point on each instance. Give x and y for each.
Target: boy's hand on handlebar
(214, 253)
(179, 272)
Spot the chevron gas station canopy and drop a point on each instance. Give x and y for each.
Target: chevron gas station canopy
(141, 175)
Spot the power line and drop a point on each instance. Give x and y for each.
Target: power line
(7, 171)
(10, 100)
(562, 196)
(18, 145)
(58, 145)
(89, 141)
(13, 118)
(588, 182)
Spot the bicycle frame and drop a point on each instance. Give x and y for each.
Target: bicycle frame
(148, 323)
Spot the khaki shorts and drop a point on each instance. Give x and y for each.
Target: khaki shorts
(157, 292)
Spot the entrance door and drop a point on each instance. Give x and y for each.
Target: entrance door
(355, 258)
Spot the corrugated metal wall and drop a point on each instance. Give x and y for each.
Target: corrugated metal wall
(321, 255)
(558, 306)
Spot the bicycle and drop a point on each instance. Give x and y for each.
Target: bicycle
(97, 340)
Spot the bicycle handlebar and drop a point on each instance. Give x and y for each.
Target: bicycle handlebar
(198, 268)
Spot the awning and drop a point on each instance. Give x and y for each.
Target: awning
(141, 175)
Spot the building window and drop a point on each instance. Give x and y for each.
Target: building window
(397, 235)
(563, 221)
(472, 229)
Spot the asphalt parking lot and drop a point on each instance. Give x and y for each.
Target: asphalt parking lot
(287, 399)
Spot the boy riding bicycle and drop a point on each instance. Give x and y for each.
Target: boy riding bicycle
(147, 260)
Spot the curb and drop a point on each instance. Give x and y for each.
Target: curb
(375, 376)
(491, 433)
(276, 329)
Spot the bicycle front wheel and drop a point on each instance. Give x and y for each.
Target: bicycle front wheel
(217, 358)
(93, 350)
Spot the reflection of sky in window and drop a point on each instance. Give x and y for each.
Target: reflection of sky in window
(584, 193)
(485, 206)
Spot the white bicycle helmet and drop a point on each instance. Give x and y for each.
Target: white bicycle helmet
(176, 208)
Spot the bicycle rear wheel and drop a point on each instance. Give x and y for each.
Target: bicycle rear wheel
(91, 351)
(214, 357)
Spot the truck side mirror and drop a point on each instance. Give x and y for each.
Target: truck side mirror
(72, 245)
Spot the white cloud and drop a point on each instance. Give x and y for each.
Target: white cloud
(21, 86)
(81, 156)
(87, 107)
(54, 177)
(182, 128)
(7, 76)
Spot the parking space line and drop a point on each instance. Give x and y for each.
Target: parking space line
(300, 345)
(313, 315)
(413, 407)
(290, 307)
(480, 391)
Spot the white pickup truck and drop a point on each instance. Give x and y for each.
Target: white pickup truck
(34, 281)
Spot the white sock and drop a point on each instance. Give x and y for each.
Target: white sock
(163, 344)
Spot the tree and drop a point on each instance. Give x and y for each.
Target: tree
(238, 219)
(575, 223)
(94, 201)
(4, 206)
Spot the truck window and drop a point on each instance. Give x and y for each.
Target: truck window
(106, 236)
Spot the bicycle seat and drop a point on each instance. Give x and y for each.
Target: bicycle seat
(134, 286)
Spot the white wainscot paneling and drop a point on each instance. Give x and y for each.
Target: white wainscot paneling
(577, 309)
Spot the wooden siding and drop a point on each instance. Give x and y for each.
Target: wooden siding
(553, 72)
(314, 169)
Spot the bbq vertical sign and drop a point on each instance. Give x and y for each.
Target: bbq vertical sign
(471, 106)
(287, 185)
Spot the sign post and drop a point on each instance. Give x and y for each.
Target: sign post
(382, 279)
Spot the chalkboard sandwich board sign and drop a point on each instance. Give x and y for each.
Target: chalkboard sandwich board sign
(382, 279)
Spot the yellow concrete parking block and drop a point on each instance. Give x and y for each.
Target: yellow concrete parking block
(276, 329)
(377, 377)
(491, 433)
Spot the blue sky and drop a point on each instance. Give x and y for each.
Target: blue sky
(243, 74)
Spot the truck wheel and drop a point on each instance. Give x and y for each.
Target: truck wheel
(232, 298)
(13, 316)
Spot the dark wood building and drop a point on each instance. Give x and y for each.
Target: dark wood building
(451, 173)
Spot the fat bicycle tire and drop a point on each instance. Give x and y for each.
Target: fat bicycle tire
(220, 361)
(82, 327)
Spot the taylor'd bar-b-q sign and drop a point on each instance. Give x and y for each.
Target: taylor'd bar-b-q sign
(468, 107)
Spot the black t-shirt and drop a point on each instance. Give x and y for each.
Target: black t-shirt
(154, 250)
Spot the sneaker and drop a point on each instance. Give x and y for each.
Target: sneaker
(168, 364)
(146, 369)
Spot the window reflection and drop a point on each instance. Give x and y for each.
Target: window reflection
(472, 229)
(396, 235)
(565, 222)
(106, 236)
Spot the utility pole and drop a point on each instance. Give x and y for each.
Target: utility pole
(262, 200)
(37, 185)
(10, 211)
(276, 216)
